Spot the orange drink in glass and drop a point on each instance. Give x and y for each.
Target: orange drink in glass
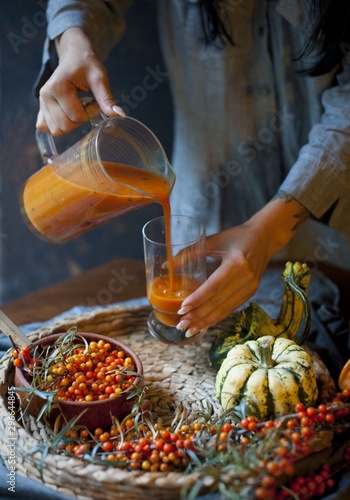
(175, 262)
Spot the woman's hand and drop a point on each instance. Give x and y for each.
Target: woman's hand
(79, 70)
(245, 252)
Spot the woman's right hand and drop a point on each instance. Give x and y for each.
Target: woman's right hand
(79, 70)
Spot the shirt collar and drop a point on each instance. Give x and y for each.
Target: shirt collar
(295, 12)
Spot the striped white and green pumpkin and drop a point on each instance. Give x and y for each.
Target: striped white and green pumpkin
(273, 373)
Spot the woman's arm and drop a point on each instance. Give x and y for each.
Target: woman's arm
(318, 185)
(83, 33)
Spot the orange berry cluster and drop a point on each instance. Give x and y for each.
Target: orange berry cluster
(98, 372)
(23, 357)
(135, 445)
(85, 373)
(294, 443)
(311, 485)
(156, 450)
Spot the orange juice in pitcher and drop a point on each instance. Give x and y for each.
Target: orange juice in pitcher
(118, 167)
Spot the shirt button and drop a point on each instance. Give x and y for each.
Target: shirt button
(260, 31)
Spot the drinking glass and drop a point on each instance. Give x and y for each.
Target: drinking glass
(175, 263)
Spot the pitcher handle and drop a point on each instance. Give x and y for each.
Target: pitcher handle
(46, 142)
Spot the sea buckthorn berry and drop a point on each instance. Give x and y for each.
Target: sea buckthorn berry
(274, 469)
(299, 407)
(164, 467)
(322, 408)
(84, 374)
(244, 440)
(293, 422)
(262, 493)
(244, 423)
(129, 423)
(252, 426)
(198, 426)
(227, 427)
(107, 446)
(174, 437)
(310, 411)
(329, 417)
(25, 353)
(268, 481)
(165, 434)
(104, 437)
(346, 392)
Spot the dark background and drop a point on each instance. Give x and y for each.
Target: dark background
(26, 262)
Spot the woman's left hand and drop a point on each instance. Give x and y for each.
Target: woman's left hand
(243, 262)
(245, 252)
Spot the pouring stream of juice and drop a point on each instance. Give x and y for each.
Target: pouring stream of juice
(58, 209)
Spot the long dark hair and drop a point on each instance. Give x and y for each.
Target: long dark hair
(214, 27)
(330, 38)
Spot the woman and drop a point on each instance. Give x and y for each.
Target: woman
(261, 96)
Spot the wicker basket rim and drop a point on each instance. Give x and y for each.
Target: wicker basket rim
(74, 473)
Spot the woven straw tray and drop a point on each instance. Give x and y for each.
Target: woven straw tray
(179, 380)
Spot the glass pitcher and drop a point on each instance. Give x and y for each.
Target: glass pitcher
(117, 167)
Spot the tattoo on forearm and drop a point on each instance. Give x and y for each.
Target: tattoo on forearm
(283, 195)
(301, 216)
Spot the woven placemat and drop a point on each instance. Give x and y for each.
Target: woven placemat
(179, 381)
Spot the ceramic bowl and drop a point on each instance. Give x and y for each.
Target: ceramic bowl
(92, 414)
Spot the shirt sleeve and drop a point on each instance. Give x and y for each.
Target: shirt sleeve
(320, 178)
(102, 21)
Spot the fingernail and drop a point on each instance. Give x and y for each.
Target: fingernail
(119, 110)
(183, 324)
(192, 331)
(184, 310)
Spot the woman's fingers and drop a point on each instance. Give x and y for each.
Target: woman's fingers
(224, 291)
(61, 116)
(99, 85)
(61, 110)
(217, 314)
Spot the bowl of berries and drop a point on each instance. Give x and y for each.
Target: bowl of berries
(77, 375)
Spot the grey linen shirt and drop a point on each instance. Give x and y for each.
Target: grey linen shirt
(247, 123)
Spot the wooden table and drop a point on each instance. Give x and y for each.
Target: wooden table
(118, 280)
